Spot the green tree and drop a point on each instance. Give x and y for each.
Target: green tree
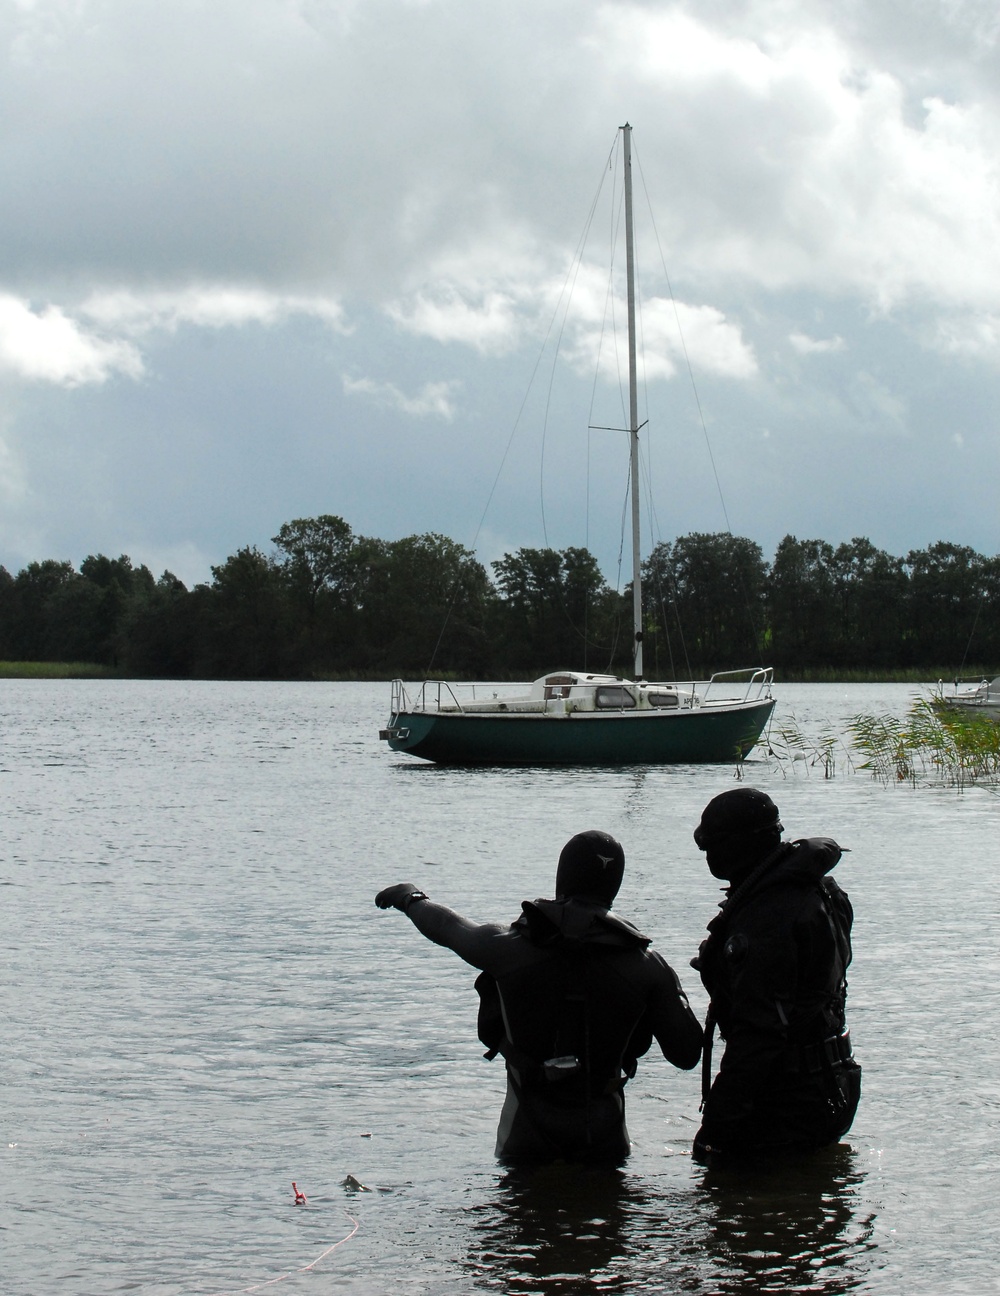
(158, 634)
(422, 604)
(946, 585)
(39, 626)
(315, 557)
(247, 626)
(982, 651)
(704, 598)
(555, 611)
(871, 589)
(118, 586)
(802, 604)
(7, 614)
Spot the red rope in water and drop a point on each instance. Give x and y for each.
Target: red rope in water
(241, 1291)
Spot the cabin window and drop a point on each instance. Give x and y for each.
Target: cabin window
(614, 698)
(662, 699)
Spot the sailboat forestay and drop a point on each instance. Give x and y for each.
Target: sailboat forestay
(578, 718)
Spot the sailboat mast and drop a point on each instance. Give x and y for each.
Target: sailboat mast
(633, 401)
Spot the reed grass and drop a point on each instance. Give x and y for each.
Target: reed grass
(787, 744)
(929, 744)
(55, 670)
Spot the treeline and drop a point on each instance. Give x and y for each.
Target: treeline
(326, 602)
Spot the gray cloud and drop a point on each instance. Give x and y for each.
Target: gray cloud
(261, 258)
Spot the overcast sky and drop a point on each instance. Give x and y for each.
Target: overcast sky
(265, 259)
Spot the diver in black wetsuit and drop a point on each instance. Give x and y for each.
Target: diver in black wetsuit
(774, 965)
(572, 996)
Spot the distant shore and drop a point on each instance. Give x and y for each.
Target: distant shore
(89, 670)
(56, 670)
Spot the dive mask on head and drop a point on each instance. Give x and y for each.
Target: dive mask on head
(737, 814)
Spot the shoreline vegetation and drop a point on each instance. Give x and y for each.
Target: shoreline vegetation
(327, 604)
(929, 746)
(90, 670)
(54, 670)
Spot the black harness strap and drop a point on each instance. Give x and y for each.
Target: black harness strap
(726, 910)
(706, 1056)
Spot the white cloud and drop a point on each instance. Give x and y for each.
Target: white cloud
(490, 324)
(711, 342)
(974, 336)
(579, 308)
(671, 334)
(795, 165)
(806, 345)
(796, 155)
(665, 43)
(206, 306)
(433, 400)
(49, 346)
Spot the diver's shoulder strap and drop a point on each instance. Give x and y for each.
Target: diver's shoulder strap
(706, 1055)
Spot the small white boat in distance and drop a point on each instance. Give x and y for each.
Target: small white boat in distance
(980, 697)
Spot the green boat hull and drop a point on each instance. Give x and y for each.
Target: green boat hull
(705, 735)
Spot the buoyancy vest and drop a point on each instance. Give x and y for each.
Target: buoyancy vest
(814, 1009)
(566, 1017)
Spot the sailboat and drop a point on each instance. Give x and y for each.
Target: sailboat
(569, 717)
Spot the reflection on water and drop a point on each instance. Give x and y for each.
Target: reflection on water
(791, 1227)
(556, 1228)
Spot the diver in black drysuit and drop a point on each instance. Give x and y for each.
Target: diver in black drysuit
(774, 965)
(572, 996)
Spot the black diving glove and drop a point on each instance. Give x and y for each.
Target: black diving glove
(400, 896)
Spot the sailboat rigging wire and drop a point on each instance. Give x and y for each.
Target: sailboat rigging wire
(562, 305)
(655, 534)
(608, 297)
(972, 632)
(757, 636)
(614, 230)
(612, 652)
(671, 601)
(684, 350)
(568, 289)
(609, 309)
(570, 279)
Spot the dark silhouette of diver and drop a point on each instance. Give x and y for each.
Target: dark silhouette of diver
(572, 996)
(774, 965)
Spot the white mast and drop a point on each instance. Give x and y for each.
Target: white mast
(633, 401)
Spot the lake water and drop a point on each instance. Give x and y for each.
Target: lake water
(201, 1004)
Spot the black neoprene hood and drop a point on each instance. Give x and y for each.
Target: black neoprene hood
(591, 866)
